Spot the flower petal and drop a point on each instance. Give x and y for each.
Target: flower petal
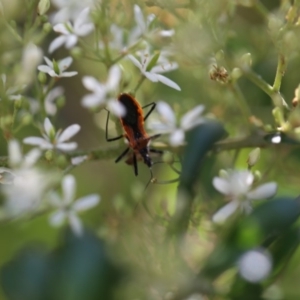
(263, 191)
(69, 189)
(62, 28)
(81, 18)
(78, 160)
(168, 82)
(65, 63)
(38, 141)
(57, 218)
(48, 62)
(86, 202)
(66, 146)
(225, 212)
(49, 129)
(116, 108)
(221, 185)
(114, 77)
(151, 76)
(31, 158)
(71, 41)
(166, 67)
(191, 118)
(135, 62)
(75, 224)
(177, 138)
(92, 100)
(139, 18)
(45, 69)
(56, 43)
(68, 133)
(93, 85)
(166, 113)
(15, 155)
(67, 74)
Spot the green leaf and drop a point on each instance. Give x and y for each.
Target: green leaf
(79, 269)
(200, 140)
(153, 61)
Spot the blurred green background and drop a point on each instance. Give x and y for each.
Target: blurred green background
(207, 33)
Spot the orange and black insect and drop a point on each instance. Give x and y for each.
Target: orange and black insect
(134, 132)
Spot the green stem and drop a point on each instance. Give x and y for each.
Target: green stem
(281, 67)
(261, 9)
(268, 89)
(141, 80)
(257, 80)
(245, 110)
(14, 32)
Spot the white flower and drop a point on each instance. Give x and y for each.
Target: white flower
(25, 184)
(56, 69)
(167, 122)
(25, 194)
(70, 34)
(153, 73)
(237, 186)
(50, 106)
(68, 208)
(255, 265)
(121, 39)
(69, 9)
(52, 140)
(17, 161)
(101, 92)
(78, 160)
(12, 93)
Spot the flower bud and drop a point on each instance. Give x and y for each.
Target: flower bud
(61, 161)
(274, 24)
(291, 14)
(55, 66)
(253, 157)
(49, 155)
(246, 60)
(42, 77)
(43, 7)
(47, 27)
(236, 73)
(223, 173)
(219, 55)
(27, 119)
(76, 52)
(257, 176)
(60, 101)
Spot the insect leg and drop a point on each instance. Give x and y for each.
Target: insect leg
(156, 151)
(153, 104)
(106, 130)
(135, 165)
(122, 155)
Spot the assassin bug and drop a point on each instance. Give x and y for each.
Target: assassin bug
(133, 126)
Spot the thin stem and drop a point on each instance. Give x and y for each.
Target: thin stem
(261, 9)
(13, 32)
(281, 67)
(141, 80)
(246, 113)
(257, 80)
